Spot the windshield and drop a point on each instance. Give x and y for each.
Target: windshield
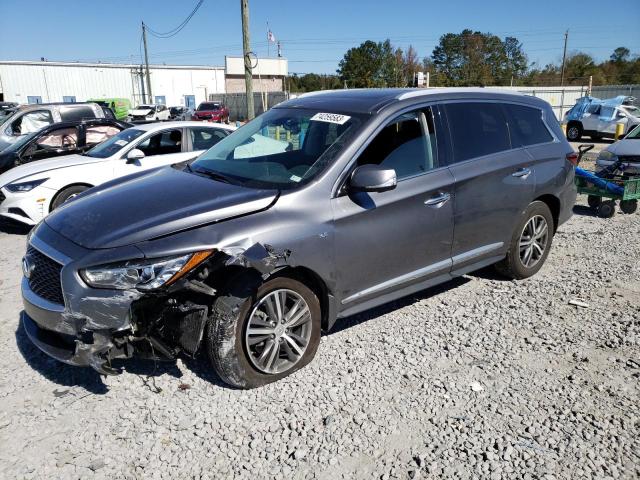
(281, 149)
(145, 107)
(115, 143)
(208, 106)
(633, 134)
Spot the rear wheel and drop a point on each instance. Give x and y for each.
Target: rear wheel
(606, 209)
(67, 194)
(260, 336)
(574, 132)
(628, 206)
(594, 201)
(530, 243)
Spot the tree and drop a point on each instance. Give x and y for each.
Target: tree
(620, 54)
(369, 65)
(475, 58)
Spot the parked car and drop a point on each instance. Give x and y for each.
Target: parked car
(7, 108)
(149, 113)
(119, 106)
(29, 192)
(30, 118)
(599, 118)
(627, 150)
(59, 139)
(180, 113)
(212, 112)
(380, 193)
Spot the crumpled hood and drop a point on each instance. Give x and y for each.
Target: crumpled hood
(41, 167)
(140, 111)
(152, 204)
(625, 147)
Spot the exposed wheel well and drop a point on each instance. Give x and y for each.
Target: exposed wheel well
(79, 184)
(553, 203)
(315, 283)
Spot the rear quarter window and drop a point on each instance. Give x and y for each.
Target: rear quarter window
(76, 113)
(526, 126)
(477, 129)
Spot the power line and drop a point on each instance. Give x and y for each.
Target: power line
(177, 29)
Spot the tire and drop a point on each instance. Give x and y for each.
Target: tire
(606, 209)
(594, 201)
(574, 132)
(66, 194)
(629, 206)
(516, 265)
(234, 359)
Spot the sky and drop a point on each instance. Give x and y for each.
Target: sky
(314, 34)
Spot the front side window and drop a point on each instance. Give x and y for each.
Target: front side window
(477, 129)
(526, 126)
(281, 149)
(205, 138)
(162, 143)
(114, 144)
(407, 145)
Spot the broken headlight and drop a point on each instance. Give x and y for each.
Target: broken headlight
(144, 274)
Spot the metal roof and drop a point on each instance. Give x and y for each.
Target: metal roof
(107, 65)
(370, 100)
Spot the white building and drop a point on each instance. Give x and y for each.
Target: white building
(43, 82)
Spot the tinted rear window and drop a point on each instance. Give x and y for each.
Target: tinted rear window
(76, 113)
(477, 129)
(526, 126)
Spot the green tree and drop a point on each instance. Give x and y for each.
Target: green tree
(474, 58)
(369, 65)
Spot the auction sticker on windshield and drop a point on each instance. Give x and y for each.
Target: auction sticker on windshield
(331, 118)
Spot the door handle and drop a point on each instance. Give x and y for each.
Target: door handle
(437, 200)
(522, 173)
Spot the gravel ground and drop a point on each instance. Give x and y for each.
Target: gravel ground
(481, 378)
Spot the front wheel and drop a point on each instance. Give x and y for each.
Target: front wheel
(574, 132)
(260, 336)
(628, 206)
(530, 243)
(67, 194)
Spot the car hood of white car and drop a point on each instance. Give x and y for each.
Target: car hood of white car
(43, 166)
(625, 147)
(140, 111)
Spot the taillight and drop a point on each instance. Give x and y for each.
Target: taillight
(573, 158)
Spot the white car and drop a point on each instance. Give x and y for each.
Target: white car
(149, 113)
(29, 192)
(599, 118)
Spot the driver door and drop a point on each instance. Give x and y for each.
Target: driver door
(389, 240)
(165, 147)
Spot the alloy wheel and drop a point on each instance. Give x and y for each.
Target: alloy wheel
(278, 331)
(533, 241)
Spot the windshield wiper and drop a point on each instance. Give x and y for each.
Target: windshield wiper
(210, 174)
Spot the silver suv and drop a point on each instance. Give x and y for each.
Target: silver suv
(325, 206)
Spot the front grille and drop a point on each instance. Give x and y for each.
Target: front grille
(44, 280)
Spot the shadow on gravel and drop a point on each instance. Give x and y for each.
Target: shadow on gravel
(584, 211)
(13, 228)
(87, 378)
(353, 320)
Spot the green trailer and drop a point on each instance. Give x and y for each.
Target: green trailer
(609, 185)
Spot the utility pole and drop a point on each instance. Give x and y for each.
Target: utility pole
(146, 62)
(564, 57)
(248, 74)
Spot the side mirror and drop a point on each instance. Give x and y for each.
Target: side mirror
(134, 155)
(373, 178)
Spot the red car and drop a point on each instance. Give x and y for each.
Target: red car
(212, 112)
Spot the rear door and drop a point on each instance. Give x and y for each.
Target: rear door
(493, 182)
